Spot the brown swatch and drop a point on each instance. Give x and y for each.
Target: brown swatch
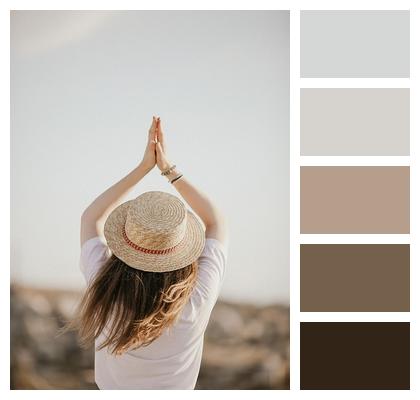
(355, 199)
(355, 355)
(355, 277)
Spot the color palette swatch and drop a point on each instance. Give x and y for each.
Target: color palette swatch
(355, 122)
(355, 44)
(355, 355)
(354, 199)
(355, 277)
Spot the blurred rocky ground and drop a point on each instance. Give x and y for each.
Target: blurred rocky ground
(246, 347)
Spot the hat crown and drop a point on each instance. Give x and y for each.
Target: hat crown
(156, 220)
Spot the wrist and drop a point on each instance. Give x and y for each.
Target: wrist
(144, 168)
(173, 174)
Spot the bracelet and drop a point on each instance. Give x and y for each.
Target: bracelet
(168, 171)
(175, 179)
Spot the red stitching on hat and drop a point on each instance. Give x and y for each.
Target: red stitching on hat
(144, 250)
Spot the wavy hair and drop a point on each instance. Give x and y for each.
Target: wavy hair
(141, 305)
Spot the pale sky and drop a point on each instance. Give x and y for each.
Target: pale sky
(84, 87)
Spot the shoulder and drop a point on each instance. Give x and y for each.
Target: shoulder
(211, 272)
(93, 254)
(214, 250)
(211, 268)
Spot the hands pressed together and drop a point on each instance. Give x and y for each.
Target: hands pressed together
(155, 153)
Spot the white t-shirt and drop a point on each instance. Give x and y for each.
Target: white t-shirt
(173, 360)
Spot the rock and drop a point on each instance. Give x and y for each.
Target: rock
(255, 358)
(246, 347)
(38, 304)
(226, 323)
(254, 330)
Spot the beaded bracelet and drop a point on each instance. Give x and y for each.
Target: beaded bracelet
(168, 171)
(175, 179)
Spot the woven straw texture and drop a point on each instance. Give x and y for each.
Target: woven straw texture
(155, 221)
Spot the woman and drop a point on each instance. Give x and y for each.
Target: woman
(152, 286)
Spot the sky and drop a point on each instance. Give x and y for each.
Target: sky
(84, 87)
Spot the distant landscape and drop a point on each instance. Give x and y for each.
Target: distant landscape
(246, 347)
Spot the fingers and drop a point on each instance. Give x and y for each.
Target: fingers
(152, 129)
(160, 136)
(154, 122)
(156, 136)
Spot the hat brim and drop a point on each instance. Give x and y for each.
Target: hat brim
(185, 253)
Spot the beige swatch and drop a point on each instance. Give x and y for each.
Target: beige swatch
(355, 200)
(362, 122)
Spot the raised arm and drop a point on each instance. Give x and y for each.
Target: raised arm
(94, 216)
(201, 204)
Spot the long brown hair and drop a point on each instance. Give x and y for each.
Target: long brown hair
(142, 304)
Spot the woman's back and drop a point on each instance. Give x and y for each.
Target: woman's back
(172, 361)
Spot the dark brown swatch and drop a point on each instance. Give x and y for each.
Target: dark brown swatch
(355, 355)
(355, 199)
(355, 277)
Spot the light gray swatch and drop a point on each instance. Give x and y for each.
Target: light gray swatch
(355, 122)
(355, 44)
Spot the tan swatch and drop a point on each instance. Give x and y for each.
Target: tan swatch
(355, 277)
(355, 199)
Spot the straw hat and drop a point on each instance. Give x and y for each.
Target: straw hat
(155, 232)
